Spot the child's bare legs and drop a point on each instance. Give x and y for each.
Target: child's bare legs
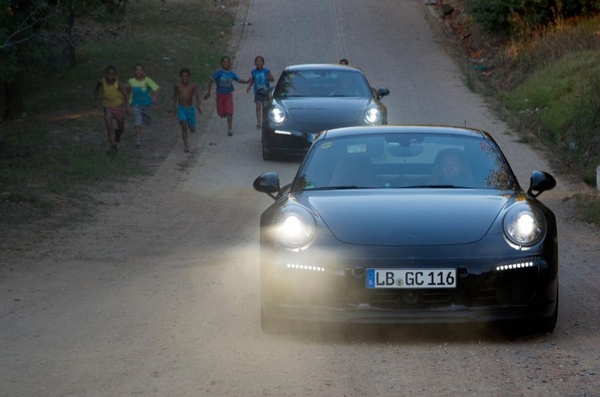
(121, 129)
(137, 129)
(140, 116)
(259, 106)
(229, 124)
(184, 136)
(110, 132)
(111, 136)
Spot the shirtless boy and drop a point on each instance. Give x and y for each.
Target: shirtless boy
(184, 93)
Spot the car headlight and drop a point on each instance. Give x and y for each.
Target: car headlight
(373, 116)
(524, 225)
(294, 227)
(277, 115)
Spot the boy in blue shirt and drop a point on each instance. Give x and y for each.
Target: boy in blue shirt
(224, 78)
(259, 78)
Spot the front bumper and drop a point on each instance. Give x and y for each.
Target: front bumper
(338, 293)
(296, 144)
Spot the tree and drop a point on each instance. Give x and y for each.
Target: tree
(29, 28)
(21, 22)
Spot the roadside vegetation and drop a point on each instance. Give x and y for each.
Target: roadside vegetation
(542, 63)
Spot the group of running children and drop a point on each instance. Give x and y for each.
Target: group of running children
(136, 98)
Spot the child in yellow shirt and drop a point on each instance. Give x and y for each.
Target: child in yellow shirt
(114, 99)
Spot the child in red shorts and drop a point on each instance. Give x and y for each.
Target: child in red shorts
(224, 78)
(114, 100)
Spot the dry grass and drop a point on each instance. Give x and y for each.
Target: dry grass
(518, 59)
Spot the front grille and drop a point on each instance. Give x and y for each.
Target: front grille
(409, 299)
(288, 141)
(501, 288)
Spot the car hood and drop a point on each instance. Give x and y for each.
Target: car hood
(325, 110)
(414, 218)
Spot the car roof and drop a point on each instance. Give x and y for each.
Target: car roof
(406, 129)
(321, 66)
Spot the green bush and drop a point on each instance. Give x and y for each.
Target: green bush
(492, 15)
(508, 18)
(561, 103)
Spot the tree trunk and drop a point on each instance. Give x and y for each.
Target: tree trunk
(68, 51)
(14, 98)
(68, 54)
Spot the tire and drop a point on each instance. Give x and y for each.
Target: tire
(540, 325)
(272, 326)
(266, 155)
(547, 324)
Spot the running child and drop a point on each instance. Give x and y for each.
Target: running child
(114, 99)
(224, 78)
(184, 94)
(142, 94)
(259, 78)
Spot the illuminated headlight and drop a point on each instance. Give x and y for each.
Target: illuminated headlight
(277, 115)
(373, 116)
(295, 227)
(524, 226)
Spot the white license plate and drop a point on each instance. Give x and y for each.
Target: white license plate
(411, 278)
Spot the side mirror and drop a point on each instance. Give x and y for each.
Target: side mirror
(382, 91)
(268, 183)
(539, 182)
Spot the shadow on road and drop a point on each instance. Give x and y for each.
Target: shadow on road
(413, 334)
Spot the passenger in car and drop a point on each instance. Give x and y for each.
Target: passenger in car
(451, 168)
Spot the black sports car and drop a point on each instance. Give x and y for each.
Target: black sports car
(308, 99)
(408, 224)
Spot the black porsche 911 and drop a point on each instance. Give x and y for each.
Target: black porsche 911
(408, 224)
(308, 99)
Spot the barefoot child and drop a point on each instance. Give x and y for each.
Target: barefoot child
(114, 99)
(259, 78)
(142, 91)
(224, 78)
(184, 93)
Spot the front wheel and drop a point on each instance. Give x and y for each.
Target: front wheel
(542, 325)
(272, 326)
(266, 155)
(547, 324)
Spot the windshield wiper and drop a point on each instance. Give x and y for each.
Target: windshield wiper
(343, 187)
(441, 187)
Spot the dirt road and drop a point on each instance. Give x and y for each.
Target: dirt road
(158, 295)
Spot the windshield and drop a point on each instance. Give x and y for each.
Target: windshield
(322, 83)
(405, 161)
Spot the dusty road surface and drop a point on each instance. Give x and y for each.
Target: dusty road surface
(158, 295)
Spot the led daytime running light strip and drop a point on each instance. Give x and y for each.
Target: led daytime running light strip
(305, 267)
(515, 266)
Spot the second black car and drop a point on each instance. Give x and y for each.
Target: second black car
(308, 99)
